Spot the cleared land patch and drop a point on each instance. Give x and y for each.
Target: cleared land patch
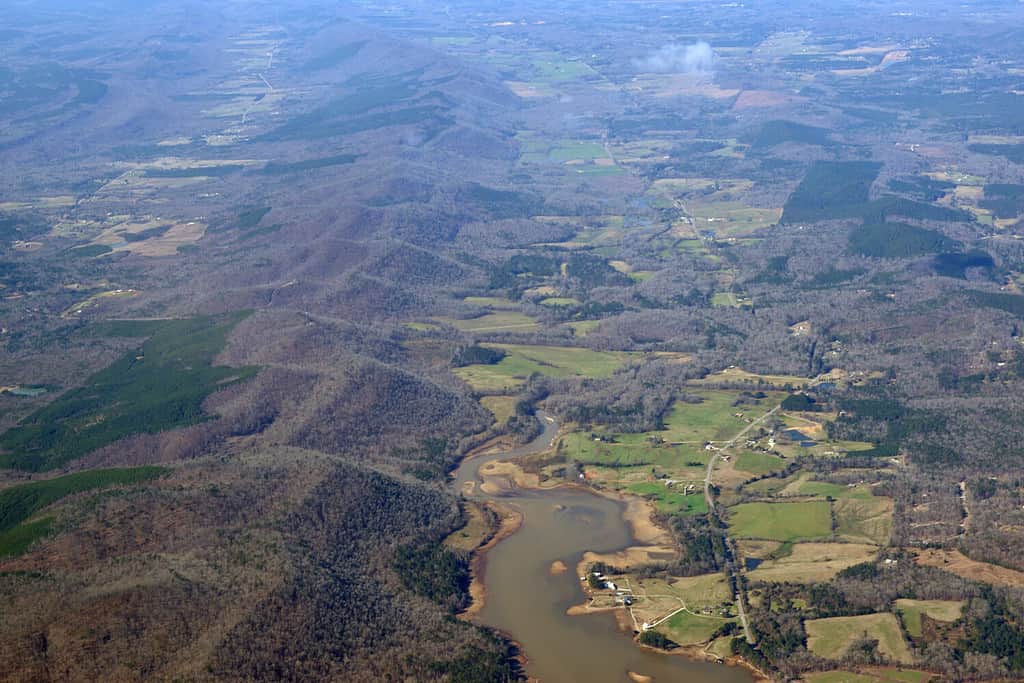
(809, 562)
(961, 565)
(864, 519)
(521, 361)
(939, 610)
(501, 321)
(781, 521)
(831, 638)
(714, 418)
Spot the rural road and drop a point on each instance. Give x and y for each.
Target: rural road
(733, 570)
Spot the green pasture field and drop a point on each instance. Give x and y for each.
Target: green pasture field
(781, 521)
(864, 520)
(759, 463)
(493, 302)
(732, 219)
(711, 420)
(831, 638)
(581, 328)
(690, 629)
(521, 361)
(939, 610)
(811, 562)
(627, 451)
(725, 299)
(671, 501)
(494, 322)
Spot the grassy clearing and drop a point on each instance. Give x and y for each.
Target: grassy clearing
(496, 303)
(809, 562)
(630, 450)
(861, 519)
(739, 375)
(831, 638)
(759, 463)
(781, 521)
(160, 386)
(839, 677)
(582, 328)
(725, 299)
(804, 485)
(474, 533)
(502, 407)
(714, 419)
(690, 629)
(670, 500)
(521, 361)
(939, 610)
(732, 219)
(557, 301)
(421, 327)
(890, 675)
(494, 322)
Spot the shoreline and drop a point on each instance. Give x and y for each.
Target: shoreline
(646, 533)
(509, 522)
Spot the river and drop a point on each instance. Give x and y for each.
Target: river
(527, 602)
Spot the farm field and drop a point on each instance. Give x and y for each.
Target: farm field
(502, 321)
(713, 419)
(861, 520)
(690, 629)
(873, 675)
(521, 361)
(781, 521)
(759, 463)
(911, 612)
(738, 375)
(502, 407)
(810, 562)
(830, 638)
(669, 500)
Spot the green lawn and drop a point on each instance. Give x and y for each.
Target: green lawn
(940, 610)
(831, 638)
(781, 521)
(158, 386)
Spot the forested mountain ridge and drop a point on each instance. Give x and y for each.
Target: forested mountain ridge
(269, 274)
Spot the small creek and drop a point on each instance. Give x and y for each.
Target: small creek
(527, 602)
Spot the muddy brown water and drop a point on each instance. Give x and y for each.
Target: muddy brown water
(527, 602)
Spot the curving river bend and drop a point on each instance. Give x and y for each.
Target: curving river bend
(527, 602)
